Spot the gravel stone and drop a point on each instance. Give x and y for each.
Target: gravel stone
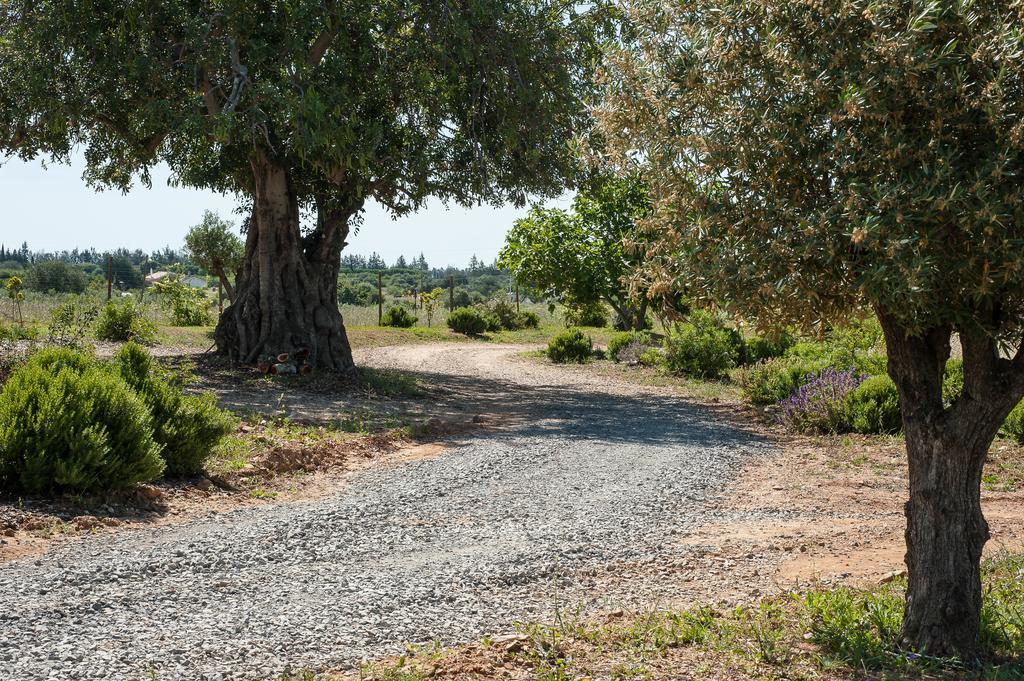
(505, 525)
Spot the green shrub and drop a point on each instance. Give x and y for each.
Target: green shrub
(589, 314)
(69, 425)
(125, 322)
(737, 346)
(467, 320)
(506, 315)
(952, 381)
(16, 332)
(502, 316)
(399, 317)
(767, 347)
(874, 407)
(187, 427)
(188, 306)
(527, 320)
(70, 322)
(700, 348)
(773, 380)
(625, 339)
(807, 350)
(572, 345)
(1014, 425)
(652, 357)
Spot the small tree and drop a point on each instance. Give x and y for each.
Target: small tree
(430, 302)
(214, 246)
(584, 256)
(811, 160)
(14, 287)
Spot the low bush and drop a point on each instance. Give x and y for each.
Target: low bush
(773, 380)
(70, 425)
(125, 322)
(397, 316)
(700, 348)
(16, 332)
(819, 406)
(651, 357)
(591, 314)
(952, 381)
(502, 316)
(1013, 428)
(187, 305)
(626, 339)
(187, 427)
(874, 407)
(527, 320)
(737, 346)
(467, 320)
(70, 322)
(572, 345)
(760, 348)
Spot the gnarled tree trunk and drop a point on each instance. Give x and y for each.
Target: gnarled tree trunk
(946, 451)
(285, 299)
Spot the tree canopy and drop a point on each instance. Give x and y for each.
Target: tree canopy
(308, 109)
(810, 160)
(584, 256)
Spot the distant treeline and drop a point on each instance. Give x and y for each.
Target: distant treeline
(72, 271)
(75, 270)
(357, 284)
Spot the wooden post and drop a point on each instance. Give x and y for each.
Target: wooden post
(110, 276)
(451, 292)
(517, 297)
(420, 289)
(380, 298)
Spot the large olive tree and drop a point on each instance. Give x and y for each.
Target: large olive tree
(807, 159)
(308, 108)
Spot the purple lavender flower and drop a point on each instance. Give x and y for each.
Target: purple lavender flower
(819, 404)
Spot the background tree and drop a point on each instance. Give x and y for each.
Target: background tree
(126, 275)
(808, 160)
(56, 275)
(14, 287)
(215, 247)
(307, 108)
(583, 256)
(430, 302)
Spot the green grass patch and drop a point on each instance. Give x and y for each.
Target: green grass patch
(830, 633)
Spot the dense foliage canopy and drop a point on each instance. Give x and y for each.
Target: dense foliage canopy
(808, 158)
(585, 255)
(811, 159)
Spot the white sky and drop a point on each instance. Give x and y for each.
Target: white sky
(52, 209)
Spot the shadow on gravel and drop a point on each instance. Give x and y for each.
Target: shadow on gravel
(520, 409)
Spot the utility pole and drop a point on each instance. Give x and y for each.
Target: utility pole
(451, 292)
(110, 276)
(517, 297)
(380, 298)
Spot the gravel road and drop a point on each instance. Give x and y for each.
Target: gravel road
(504, 525)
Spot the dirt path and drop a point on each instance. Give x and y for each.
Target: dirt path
(580, 493)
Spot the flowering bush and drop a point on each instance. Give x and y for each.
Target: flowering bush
(819, 406)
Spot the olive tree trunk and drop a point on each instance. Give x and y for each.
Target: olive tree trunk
(285, 299)
(946, 451)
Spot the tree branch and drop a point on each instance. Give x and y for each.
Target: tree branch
(320, 46)
(209, 97)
